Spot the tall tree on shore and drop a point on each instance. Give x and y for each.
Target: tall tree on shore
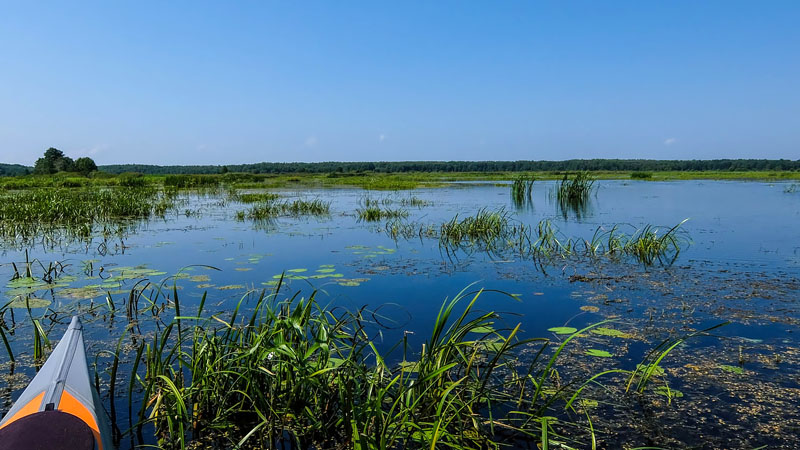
(54, 161)
(85, 165)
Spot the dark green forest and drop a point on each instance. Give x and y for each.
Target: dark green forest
(650, 165)
(472, 166)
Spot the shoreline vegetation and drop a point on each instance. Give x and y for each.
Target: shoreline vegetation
(364, 180)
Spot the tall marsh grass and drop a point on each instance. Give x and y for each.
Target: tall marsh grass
(292, 372)
(574, 193)
(295, 208)
(29, 213)
(522, 190)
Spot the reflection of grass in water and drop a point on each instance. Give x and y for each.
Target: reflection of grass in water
(521, 191)
(496, 232)
(573, 194)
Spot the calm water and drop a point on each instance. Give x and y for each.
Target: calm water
(742, 265)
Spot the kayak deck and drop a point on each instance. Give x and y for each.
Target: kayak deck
(62, 384)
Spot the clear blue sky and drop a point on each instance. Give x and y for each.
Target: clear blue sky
(173, 82)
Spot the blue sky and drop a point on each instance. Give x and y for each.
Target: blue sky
(247, 81)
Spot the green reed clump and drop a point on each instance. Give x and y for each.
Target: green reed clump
(375, 213)
(650, 244)
(272, 209)
(641, 175)
(573, 194)
(521, 190)
(28, 213)
(415, 201)
(293, 372)
(191, 181)
(484, 229)
(254, 197)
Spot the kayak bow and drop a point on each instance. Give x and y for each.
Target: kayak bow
(59, 408)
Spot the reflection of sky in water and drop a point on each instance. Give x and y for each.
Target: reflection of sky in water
(746, 223)
(742, 231)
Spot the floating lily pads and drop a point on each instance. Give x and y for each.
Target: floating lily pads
(327, 266)
(205, 285)
(326, 270)
(199, 278)
(29, 302)
(590, 308)
(667, 392)
(349, 283)
(731, 369)
(243, 269)
(297, 270)
(562, 330)
(603, 331)
(231, 287)
(79, 293)
(598, 353)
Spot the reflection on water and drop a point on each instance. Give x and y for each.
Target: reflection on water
(744, 237)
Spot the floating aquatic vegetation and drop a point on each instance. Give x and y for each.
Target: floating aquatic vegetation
(28, 303)
(562, 330)
(230, 287)
(598, 353)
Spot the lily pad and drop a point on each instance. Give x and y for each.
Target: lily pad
(590, 308)
(603, 331)
(297, 270)
(29, 302)
(598, 353)
(199, 278)
(667, 392)
(326, 270)
(731, 369)
(79, 293)
(562, 330)
(230, 287)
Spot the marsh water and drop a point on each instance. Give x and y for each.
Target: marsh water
(738, 388)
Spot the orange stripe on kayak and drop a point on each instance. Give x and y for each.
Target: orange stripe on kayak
(29, 408)
(72, 405)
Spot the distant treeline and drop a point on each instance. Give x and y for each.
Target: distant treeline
(10, 170)
(472, 166)
(633, 165)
